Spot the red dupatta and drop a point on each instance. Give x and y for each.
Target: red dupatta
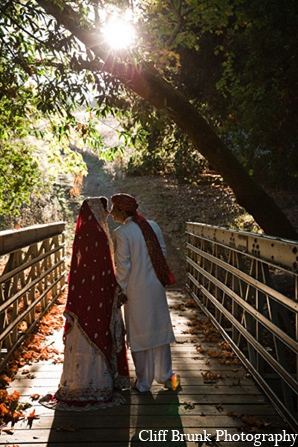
(92, 297)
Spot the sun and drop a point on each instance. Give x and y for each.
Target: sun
(119, 33)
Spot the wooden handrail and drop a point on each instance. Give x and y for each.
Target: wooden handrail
(12, 240)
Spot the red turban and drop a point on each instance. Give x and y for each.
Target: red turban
(125, 202)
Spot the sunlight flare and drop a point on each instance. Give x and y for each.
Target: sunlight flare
(119, 33)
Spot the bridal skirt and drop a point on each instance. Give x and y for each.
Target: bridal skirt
(86, 381)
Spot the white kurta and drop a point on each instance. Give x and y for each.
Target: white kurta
(146, 312)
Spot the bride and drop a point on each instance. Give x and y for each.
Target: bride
(95, 358)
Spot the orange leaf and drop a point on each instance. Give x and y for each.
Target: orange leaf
(14, 397)
(3, 410)
(3, 395)
(32, 415)
(31, 418)
(4, 380)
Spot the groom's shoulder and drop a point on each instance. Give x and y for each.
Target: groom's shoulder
(126, 228)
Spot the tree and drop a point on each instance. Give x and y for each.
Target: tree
(146, 81)
(258, 49)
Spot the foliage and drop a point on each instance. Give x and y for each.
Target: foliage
(259, 77)
(165, 150)
(188, 164)
(26, 172)
(43, 83)
(246, 71)
(152, 152)
(19, 173)
(235, 60)
(19, 176)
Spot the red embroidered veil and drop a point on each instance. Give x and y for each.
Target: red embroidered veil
(92, 295)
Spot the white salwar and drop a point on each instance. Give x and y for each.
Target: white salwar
(147, 317)
(153, 364)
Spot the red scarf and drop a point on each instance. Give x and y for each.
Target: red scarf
(158, 260)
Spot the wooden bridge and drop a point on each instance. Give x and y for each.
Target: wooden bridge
(238, 375)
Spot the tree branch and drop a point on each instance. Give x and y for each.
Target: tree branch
(159, 93)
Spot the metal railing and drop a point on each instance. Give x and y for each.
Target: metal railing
(32, 276)
(248, 285)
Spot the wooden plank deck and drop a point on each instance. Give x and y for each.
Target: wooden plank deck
(212, 397)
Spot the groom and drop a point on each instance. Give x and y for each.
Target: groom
(142, 273)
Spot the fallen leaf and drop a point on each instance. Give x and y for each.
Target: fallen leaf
(219, 407)
(3, 395)
(14, 397)
(4, 380)
(189, 405)
(8, 431)
(31, 376)
(31, 418)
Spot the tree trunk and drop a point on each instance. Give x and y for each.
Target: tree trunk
(149, 85)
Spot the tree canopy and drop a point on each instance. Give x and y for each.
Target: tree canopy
(222, 70)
